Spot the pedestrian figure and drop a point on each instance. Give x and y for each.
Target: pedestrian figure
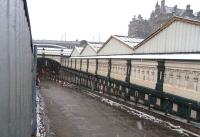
(101, 89)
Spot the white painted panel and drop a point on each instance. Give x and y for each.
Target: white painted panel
(144, 73)
(167, 42)
(69, 65)
(182, 79)
(66, 60)
(158, 43)
(84, 65)
(115, 47)
(118, 69)
(73, 63)
(78, 64)
(196, 38)
(179, 31)
(193, 114)
(161, 41)
(146, 97)
(92, 66)
(173, 36)
(88, 51)
(192, 41)
(177, 37)
(170, 38)
(102, 67)
(183, 44)
(158, 101)
(75, 53)
(188, 38)
(175, 107)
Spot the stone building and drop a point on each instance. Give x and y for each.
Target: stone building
(142, 28)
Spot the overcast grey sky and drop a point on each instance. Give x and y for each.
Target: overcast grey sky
(87, 19)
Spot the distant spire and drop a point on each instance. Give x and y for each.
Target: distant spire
(163, 2)
(157, 4)
(157, 8)
(140, 17)
(163, 6)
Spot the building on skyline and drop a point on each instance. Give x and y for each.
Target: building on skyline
(141, 28)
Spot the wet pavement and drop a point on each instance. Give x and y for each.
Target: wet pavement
(75, 114)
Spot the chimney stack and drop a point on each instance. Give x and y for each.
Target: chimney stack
(188, 7)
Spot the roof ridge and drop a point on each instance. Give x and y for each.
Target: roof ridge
(127, 37)
(120, 35)
(95, 42)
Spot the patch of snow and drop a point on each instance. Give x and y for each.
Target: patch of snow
(138, 113)
(143, 115)
(42, 120)
(139, 125)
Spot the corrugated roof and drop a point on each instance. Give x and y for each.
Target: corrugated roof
(54, 51)
(79, 49)
(50, 46)
(65, 44)
(131, 42)
(95, 45)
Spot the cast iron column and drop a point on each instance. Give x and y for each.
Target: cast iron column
(160, 75)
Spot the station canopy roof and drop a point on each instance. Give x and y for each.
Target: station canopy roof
(79, 49)
(95, 45)
(131, 42)
(51, 49)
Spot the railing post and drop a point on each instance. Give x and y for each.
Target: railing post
(96, 72)
(109, 72)
(189, 112)
(166, 106)
(87, 65)
(71, 63)
(109, 68)
(128, 74)
(75, 64)
(136, 97)
(160, 75)
(87, 70)
(80, 73)
(128, 70)
(149, 101)
(68, 63)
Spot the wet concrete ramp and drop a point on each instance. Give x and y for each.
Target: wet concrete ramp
(75, 114)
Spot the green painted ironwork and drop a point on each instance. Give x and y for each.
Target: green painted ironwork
(160, 75)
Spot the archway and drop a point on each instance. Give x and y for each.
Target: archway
(47, 67)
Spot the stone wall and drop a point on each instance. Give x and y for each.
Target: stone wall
(119, 69)
(144, 73)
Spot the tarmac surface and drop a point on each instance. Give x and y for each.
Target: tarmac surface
(75, 114)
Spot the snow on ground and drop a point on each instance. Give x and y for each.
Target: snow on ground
(143, 115)
(41, 131)
(42, 120)
(135, 112)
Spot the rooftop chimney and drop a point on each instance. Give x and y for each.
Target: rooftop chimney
(188, 7)
(162, 3)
